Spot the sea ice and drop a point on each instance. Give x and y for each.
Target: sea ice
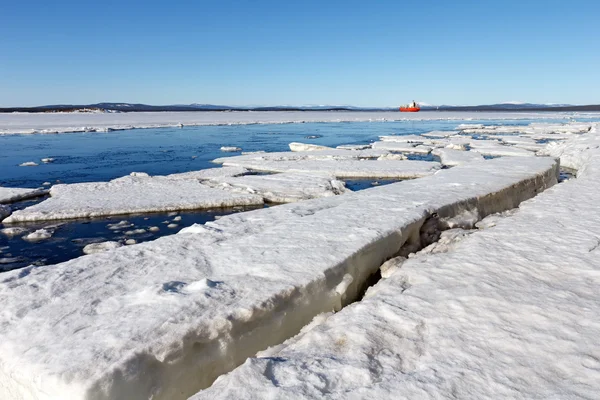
(11, 195)
(439, 134)
(390, 169)
(284, 187)
(129, 194)
(163, 319)
(47, 160)
(494, 148)
(295, 146)
(230, 149)
(28, 164)
(401, 147)
(210, 173)
(417, 139)
(331, 154)
(13, 231)
(509, 312)
(28, 123)
(353, 146)
(452, 158)
(39, 235)
(101, 247)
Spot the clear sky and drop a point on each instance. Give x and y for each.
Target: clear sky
(366, 53)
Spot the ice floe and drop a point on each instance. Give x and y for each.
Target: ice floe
(331, 154)
(230, 149)
(13, 231)
(353, 146)
(391, 169)
(210, 173)
(38, 235)
(129, 194)
(295, 146)
(28, 164)
(452, 158)
(101, 247)
(283, 187)
(11, 195)
(163, 319)
(402, 147)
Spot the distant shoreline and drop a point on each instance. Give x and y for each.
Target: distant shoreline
(128, 108)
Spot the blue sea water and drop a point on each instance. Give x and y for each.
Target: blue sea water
(87, 157)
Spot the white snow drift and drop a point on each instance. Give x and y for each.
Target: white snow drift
(163, 319)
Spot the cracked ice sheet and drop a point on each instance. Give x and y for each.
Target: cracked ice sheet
(392, 169)
(332, 154)
(129, 194)
(509, 312)
(11, 195)
(162, 319)
(284, 187)
(453, 158)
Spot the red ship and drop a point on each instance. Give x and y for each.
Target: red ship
(412, 107)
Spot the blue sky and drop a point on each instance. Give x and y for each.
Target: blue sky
(379, 53)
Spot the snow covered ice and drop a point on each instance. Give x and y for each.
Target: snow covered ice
(163, 319)
(391, 169)
(284, 187)
(137, 193)
(511, 311)
(11, 195)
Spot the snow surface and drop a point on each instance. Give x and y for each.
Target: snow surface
(11, 195)
(390, 169)
(163, 319)
(129, 194)
(509, 312)
(23, 123)
(452, 158)
(28, 164)
(283, 188)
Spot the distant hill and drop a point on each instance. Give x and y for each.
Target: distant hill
(128, 107)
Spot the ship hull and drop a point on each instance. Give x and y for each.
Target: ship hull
(410, 109)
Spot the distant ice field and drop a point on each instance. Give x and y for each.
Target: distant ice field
(81, 122)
